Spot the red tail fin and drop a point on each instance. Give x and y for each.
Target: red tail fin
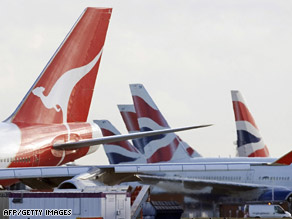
(63, 91)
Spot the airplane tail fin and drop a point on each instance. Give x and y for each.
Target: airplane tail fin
(63, 91)
(249, 141)
(159, 148)
(130, 119)
(118, 152)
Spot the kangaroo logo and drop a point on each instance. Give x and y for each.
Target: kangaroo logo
(60, 93)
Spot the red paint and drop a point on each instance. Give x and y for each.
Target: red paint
(241, 113)
(144, 110)
(41, 127)
(130, 120)
(285, 160)
(264, 152)
(164, 153)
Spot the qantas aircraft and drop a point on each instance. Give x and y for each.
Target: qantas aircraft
(249, 141)
(49, 126)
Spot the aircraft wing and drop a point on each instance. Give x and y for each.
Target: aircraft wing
(195, 186)
(153, 174)
(115, 138)
(51, 176)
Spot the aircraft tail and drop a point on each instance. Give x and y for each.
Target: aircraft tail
(130, 119)
(63, 91)
(249, 141)
(118, 152)
(161, 148)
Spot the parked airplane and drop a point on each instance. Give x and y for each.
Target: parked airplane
(49, 126)
(249, 141)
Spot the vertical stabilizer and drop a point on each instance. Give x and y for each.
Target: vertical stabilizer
(118, 152)
(161, 148)
(130, 119)
(249, 141)
(63, 91)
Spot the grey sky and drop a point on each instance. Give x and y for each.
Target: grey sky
(188, 54)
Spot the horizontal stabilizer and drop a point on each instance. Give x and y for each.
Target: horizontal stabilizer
(115, 138)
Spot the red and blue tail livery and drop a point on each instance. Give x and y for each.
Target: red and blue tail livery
(161, 148)
(118, 152)
(249, 141)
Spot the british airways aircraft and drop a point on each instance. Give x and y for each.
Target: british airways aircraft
(49, 127)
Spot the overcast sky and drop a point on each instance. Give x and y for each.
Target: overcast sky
(189, 55)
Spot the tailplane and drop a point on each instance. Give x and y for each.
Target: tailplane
(63, 91)
(249, 141)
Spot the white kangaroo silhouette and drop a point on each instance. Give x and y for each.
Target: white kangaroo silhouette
(59, 96)
(60, 93)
